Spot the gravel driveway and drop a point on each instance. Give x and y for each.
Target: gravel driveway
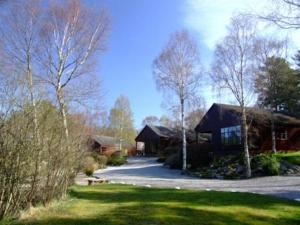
(147, 172)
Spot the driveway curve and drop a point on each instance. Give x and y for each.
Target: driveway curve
(147, 172)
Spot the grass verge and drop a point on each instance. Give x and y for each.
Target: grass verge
(129, 205)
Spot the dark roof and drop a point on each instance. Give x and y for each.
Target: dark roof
(105, 140)
(257, 114)
(163, 131)
(110, 141)
(155, 132)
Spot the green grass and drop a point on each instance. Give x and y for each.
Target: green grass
(292, 157)
(128, 205)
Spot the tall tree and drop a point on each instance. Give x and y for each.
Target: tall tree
(277, 86)
(267, 48)
(121, 121)
(72, 34)
(233, 69)
(177, 70)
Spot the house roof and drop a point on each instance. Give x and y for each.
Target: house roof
(257, 114)
(163, 131)
(155, 132)
(105, 140)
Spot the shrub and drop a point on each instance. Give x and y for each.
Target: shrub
(174, 161)
(89, 166)
(102, 161)
(161, 159)
(267, 163)
(116, 160)
(199, 155)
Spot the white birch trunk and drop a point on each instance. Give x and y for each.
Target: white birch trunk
(245, 142)
(183, 136)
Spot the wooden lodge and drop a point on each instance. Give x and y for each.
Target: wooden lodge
(106, 145)
(155, 139)
(222, 123)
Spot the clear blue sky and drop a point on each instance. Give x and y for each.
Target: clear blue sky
(140, 29)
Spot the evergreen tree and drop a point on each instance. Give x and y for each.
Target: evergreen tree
(277, 85)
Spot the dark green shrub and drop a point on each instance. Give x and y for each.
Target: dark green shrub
(174, 161)
(116, 160)
(88, 171)
(267, 163)
(161, 159)
(199, 155)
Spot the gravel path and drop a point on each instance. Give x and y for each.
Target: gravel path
(147, 172)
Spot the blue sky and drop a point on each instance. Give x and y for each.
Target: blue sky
(141, 28)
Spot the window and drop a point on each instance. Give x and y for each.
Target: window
(231, 135)
(283, 135)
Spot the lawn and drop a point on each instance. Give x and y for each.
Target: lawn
(129, 205)
(292, 157)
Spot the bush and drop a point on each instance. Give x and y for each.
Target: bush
(101, 160)
(161, 159)
(174, 161)
(90, 166)
(268, 164)
(116, 160)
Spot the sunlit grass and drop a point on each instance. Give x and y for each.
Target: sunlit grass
(128, 205)
(291, 157)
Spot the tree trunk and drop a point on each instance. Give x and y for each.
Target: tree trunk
(273, 135)
(62, 109)
(36, 133)
(183, 136)
(63, 113)
(245, 142)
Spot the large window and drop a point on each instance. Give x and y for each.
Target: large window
(231, 135)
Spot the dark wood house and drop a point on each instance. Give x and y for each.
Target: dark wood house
(223, 124)
(155, 139)
(108, 146)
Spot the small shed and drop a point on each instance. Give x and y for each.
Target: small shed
(156, 139)
(105, 145)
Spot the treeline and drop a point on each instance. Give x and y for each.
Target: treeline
(46, 68)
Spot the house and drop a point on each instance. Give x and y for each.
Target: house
(155, 139)
(222, 123)
(107, 145)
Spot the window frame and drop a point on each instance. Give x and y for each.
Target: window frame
(231, 135)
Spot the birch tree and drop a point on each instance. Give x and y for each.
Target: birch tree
(72, 35)
(233, 69)
(284, 13)
(177, 70)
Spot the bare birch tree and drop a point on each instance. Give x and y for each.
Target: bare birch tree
(233, 69)
(177, 70)
(284, 13)
(71, 37)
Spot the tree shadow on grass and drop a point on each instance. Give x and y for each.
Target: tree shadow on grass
(144, 206)
(210, 198)
(144, 214)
